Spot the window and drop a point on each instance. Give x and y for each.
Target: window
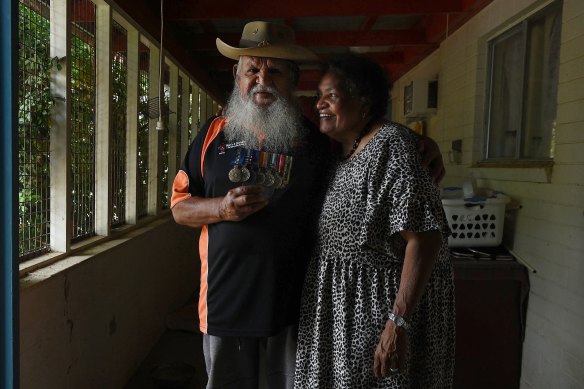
(83, 84)
(178, 156)
(202, 107)
(189, 118)
(165, 134)
(194, 112)
(522, 88)
(34, 115)
(73, 185)
(118, 123)
(143, 128)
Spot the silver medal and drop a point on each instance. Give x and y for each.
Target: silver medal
(244, 174)
(269, 178)
(235, 174)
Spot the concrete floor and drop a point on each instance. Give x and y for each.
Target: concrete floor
(176, 360)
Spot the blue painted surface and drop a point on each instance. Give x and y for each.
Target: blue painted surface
(8, 196)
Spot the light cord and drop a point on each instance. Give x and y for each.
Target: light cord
(160, 82)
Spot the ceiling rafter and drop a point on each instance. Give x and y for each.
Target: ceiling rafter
(368, 23)
(237, 9)
(221, 63)
(329, 38)
(397, 34)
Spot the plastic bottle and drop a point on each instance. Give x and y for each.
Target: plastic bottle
(469, 186)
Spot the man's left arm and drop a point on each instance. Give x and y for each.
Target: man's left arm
(431, 157)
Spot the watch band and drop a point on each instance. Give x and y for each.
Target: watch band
(399, 321)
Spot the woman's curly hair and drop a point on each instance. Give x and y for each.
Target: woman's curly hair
(363, 79)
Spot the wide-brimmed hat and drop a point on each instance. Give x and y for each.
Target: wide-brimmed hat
(265, 39)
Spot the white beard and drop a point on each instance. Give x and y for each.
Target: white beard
(280, 122)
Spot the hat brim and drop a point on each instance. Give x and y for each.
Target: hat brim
(289, 52)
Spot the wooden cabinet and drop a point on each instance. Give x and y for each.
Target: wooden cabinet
(491, 303)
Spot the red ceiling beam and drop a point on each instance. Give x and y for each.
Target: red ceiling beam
(474, 5)
(368, 23)
(362, 38)
(215, 61)
(413, 54)
(221, 63)
(391, 57)
(208, 27)
(331, 38)
(439, 26)
(310, 77)
(257, 9)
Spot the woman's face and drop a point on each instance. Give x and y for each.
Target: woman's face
(340, 115)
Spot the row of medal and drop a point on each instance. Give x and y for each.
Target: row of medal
(257, 167)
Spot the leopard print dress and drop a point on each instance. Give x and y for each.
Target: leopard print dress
(354, 273)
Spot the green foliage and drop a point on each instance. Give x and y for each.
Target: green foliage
(35, 105)
(83, 77)
(118, 112)
(143, 133)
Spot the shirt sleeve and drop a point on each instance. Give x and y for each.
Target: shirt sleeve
(188, 181)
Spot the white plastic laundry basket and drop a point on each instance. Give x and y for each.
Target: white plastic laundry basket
(477, 221)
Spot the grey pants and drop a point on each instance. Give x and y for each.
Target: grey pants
(251, 362)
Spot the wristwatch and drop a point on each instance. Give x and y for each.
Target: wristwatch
(399, 321)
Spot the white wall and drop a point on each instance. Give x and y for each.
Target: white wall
(91, 325)
(548, 231)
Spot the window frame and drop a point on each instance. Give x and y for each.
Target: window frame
(521, 27)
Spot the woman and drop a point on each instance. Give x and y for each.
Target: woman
(378, 303)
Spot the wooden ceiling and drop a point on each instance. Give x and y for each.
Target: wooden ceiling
(398, 34)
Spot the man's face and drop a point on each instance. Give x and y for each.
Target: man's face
(259, 77)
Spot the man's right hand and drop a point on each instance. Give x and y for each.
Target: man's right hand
(241, 202)
(431, 158)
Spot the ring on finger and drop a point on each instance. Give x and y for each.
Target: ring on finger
(393, 367)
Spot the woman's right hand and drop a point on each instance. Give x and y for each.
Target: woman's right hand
(391, 352)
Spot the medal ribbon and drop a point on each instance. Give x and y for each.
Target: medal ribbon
(237, 158)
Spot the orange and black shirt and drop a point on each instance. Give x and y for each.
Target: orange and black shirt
(252, 271)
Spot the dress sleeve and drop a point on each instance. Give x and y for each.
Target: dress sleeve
(401, 195)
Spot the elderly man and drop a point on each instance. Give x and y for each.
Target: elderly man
(253, 180)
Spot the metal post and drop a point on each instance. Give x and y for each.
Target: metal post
(8, 196)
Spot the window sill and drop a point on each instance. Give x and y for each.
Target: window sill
(522, 171)
(37, 269)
